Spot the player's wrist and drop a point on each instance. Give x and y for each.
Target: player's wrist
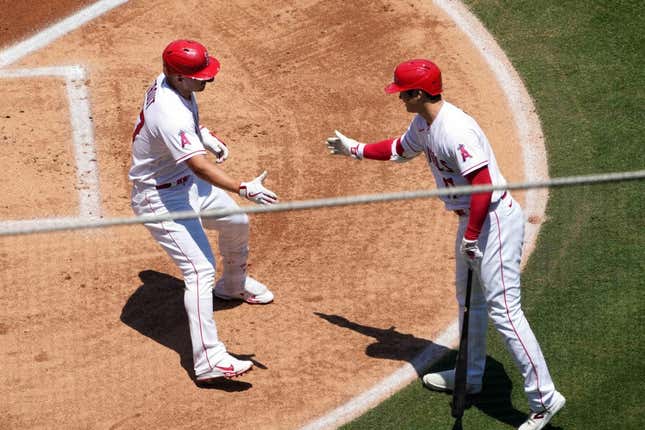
(358, 151)
(471, 235)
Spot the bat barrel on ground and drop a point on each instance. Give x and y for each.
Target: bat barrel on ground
(459, 393)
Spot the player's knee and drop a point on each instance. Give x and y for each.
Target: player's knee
(501, 314)
(240, 222)
(202, 278)
(236, 233)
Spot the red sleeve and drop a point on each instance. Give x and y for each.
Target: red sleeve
(479, 203)
(378, 151)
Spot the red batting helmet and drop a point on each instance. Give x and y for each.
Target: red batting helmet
(416, 75)
(190, 59)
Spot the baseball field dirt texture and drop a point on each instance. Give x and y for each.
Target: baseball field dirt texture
(93, 332)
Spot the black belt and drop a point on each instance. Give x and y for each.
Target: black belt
(170, 184)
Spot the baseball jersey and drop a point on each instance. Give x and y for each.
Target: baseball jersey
(454, 146)
(166, 134)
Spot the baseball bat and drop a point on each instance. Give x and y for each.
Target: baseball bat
(461, 367)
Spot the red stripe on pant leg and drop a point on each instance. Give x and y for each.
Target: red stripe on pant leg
(508, 315)
(199, 315)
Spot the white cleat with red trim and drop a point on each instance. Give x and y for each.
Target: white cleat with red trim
(254, 292)
(538, 420)
(227, 367)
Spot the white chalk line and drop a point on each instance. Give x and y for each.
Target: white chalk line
(535, 169)
(83, 137)
(87, 179)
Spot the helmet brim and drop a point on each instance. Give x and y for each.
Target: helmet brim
(394, 88)
(208, 72)
(205, 74)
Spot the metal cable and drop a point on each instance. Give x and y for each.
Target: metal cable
(50, 225)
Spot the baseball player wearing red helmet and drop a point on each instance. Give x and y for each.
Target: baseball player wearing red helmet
(170, 172)
(490, 233)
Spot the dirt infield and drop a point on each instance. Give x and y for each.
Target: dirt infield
(94, 334)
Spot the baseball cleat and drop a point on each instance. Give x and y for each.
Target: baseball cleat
(255, 292)
(538, 420)
(445, 381)
(228, 367)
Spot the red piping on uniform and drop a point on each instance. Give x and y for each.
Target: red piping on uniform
(501, 266)
(199, 315)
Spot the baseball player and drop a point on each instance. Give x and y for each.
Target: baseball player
(489, 236)
(170, 172)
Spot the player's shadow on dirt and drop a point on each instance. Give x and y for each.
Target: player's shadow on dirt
(156, 310)
(391, 344)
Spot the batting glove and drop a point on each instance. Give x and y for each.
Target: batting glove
(471, 252)
(343, 145)
(256, 192)
(214, 145)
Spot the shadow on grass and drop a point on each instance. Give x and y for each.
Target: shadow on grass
(495, 398)
(156, 310)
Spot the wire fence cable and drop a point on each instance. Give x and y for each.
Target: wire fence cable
(51, 225)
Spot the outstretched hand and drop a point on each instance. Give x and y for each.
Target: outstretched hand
(343, 145)
(256, 192)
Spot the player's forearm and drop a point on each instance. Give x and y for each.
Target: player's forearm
(211, 173)
(382, 150)
(378, 150)
(479, 203)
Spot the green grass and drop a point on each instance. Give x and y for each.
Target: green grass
(583, 62)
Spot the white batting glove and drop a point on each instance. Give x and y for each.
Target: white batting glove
(471, 252)
(256, 192)
(214, 145)
(343, 145)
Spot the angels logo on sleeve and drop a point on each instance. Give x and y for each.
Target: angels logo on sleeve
(184, 140)
(464, 153)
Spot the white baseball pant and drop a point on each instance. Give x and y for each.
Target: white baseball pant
(186, 243)
(496, 292)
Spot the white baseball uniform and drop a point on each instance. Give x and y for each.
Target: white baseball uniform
(455, 146)
(166, 135)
